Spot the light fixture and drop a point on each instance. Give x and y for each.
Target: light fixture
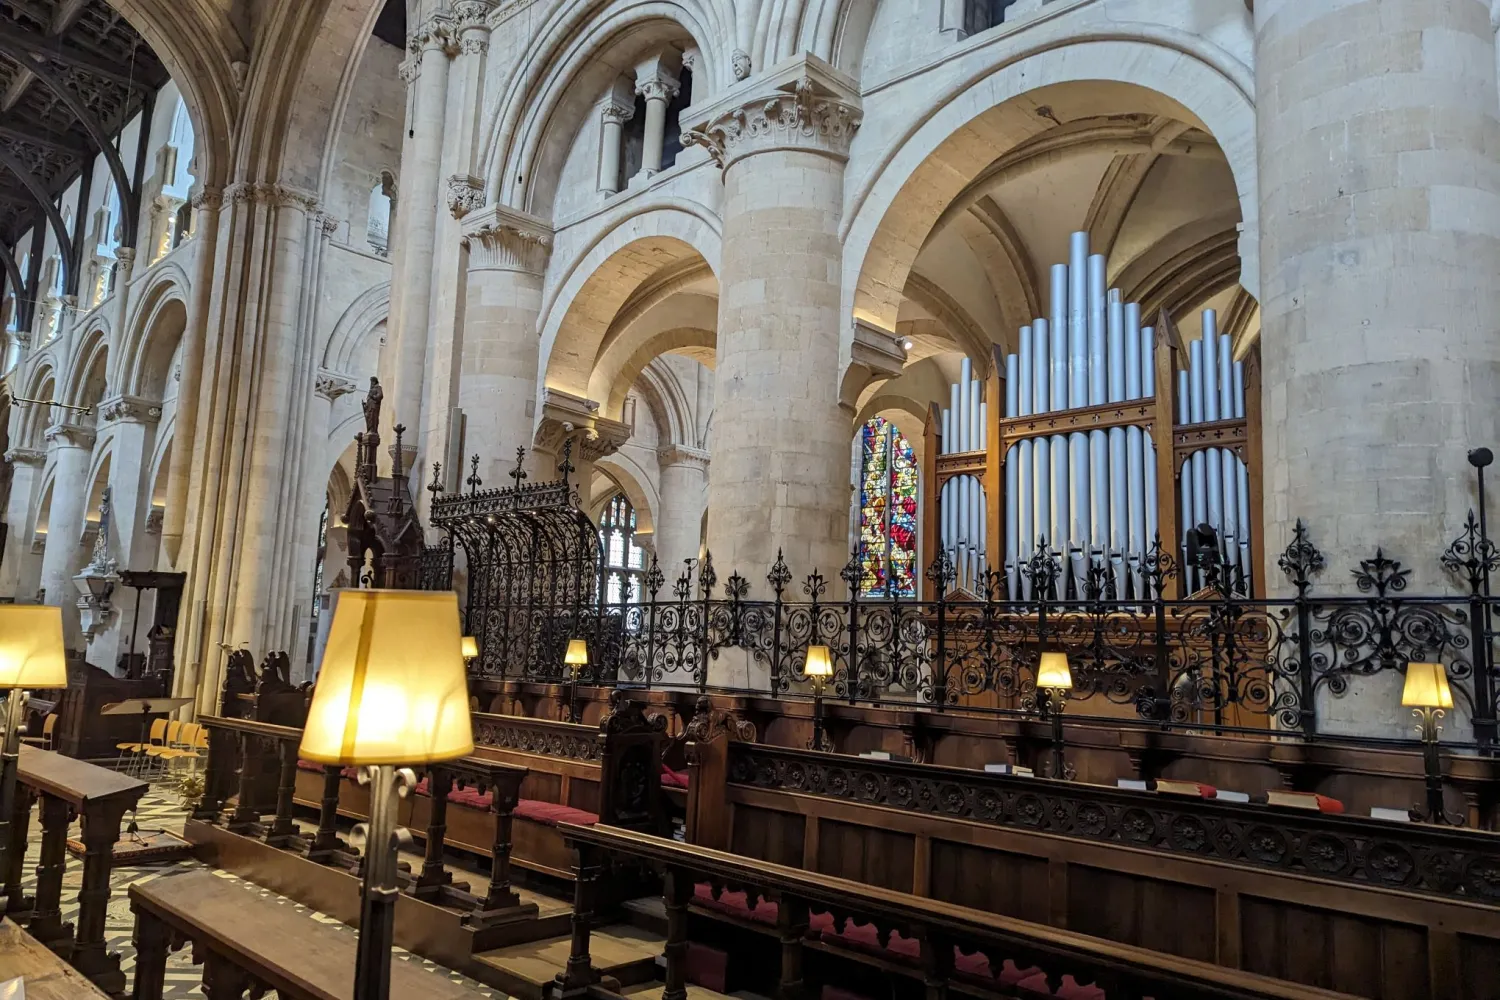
(1054, 676)
(1428, 695)
(470, 648)
(32, 657)
(577, 657)
(818, 669)
(388, 696)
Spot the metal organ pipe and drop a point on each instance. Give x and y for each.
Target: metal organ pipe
(1025, 487)
(962, 497)
(1135, 473)
(1012, 524)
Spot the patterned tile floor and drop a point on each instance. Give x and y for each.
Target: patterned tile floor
(159, 809)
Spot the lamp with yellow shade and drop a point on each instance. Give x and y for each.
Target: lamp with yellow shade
(575, 659)
(391, 692)
(31, 658)
(1054, 676)
(470, 649)
(819, 670)
(1428, 695)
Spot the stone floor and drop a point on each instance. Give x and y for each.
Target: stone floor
(160, 809)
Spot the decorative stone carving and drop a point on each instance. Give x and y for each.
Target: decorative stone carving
(97, 581)
(410, 69)
(503, 239)
(154, 519)
(209, 198)
(506, 11)
(617, 114)
(70, 436)
(331, 384)
(807, 105)
(565, 416)
(681, 454)
(660, 89)
(133, 409)
(740, 61)
(26, 456)
(277, 195)
(328, 224)
(22, 339)
(465, 194)
(471, 14)
(438, 33)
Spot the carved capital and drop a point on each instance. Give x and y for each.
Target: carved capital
(275, 195)
(70, 436)
(660, 89)
(565, 416)
(803, 104)
(22, 339)
(154, 520)
(465, 194)
(125, 255)
(680, 454)
(130, 409)
(328, 224)
(331, 384)
(474, 43)
(439, 33)
(468, 14)
(26, 456)
(209, 198)
(617, 114)
(501, 238)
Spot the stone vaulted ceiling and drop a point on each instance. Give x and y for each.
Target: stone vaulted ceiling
(72, 73)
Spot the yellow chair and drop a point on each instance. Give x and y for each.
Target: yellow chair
(137, 751)
(44, 741)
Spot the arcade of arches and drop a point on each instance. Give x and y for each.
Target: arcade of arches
(733, 252)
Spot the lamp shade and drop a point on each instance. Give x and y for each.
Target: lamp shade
(31, 647)
(819, 662)
(1053, 673)
(471, 647)
(1426, 686)
(391, 688)
(577, 654)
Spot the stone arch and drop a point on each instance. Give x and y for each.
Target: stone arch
(565, 59)
(634, 483)
(34, 418)
(347, 342)
(593, 288)
(894, 206)
(668, 404)
(154, 336)
(623, 361)
(91, 358)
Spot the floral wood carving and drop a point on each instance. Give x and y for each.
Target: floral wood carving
(528, 736)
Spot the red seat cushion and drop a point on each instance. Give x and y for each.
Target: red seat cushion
(673, 779)
(707, 967)
(818, 923)
(307, 765)
(866, 938)
(472, 799)
(835, 993)
(1034, 985)
(736, 904)
(1011, 976)
(976, 965)
(1070, 990)
(551, 814)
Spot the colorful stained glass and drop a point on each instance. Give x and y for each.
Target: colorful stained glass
(887, 512)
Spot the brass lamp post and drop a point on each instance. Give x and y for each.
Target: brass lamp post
(1054, 677)
(391, 692)
(31, 657)
(576, 658)
(1428, 695)
(818, 669)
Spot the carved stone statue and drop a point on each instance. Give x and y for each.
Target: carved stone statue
(372, 406)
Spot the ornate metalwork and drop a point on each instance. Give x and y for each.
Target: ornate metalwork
(538, 736)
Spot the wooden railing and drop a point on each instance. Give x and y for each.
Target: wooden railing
(99, 798)
(1123, 972)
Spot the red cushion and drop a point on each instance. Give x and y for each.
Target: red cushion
(835, 993)
(307, 765)
(736, 904)
(1010, 975)
(865, 938)
(817, 923)
(352, 773)
(551, 814)
(1035, 985)
(1070, 990)
(976, 965)
(673, 779)
(471, 798)
(707, 967)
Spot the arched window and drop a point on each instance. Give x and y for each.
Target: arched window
(317, 588)
(378, 228)
(672, 140)
(183, 141)
(887, 512)
(624, 561)
(982, 15)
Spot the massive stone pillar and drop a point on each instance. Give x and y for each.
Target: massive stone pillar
(71, 446)
(684, 497)
(1380, 244)
(780, 475)
(133, 421)
(421, 196)
(498, 364)
(20, 568)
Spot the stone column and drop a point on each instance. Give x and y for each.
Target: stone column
(498, 363)
(133, 421)
(1380, 242)
(422, 196)
(618, 108)
(20, 568)
(780, 477)
(684, 497)
(71, 446)
(657, 80)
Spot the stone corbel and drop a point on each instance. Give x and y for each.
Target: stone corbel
(331, 384)
(465, 194)
(437, 32)
(70, 436)
(130, 409)
(154, 520)
(503, 239)
(565, 416)
(875, 356)
(801, 103)
(681, 454)
(26, 456)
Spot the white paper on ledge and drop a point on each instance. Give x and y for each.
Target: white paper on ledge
(13, 989)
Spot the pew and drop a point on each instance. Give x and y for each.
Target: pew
(945, 949)
(247, 941)
(66, 788)
(1365, 906)
(47, 976)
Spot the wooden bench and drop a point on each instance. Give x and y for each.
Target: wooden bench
(246, 941)
(946, 949)
(47, 976)
(1365, 906)
(99, 798)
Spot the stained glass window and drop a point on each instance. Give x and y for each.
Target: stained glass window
(624, 560)
(887, 512)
